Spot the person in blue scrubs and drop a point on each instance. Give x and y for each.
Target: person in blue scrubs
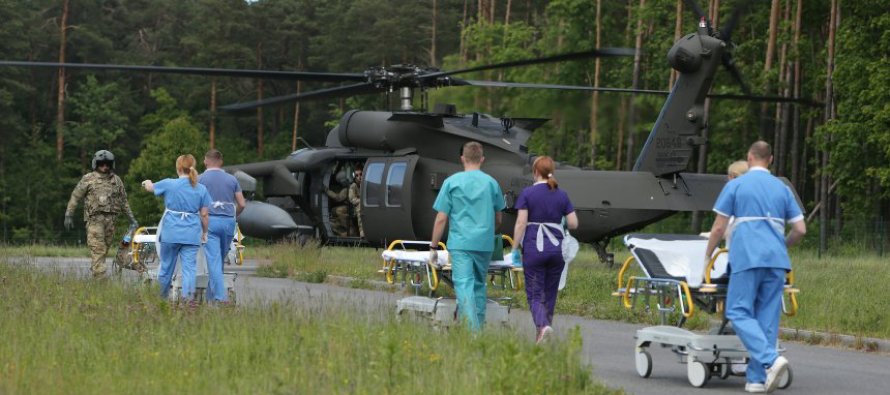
(183, 226)
(470, 204)
(762, 205)
(227, 201)
(541, 208)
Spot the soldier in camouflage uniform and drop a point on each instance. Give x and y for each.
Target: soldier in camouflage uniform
(105, 199)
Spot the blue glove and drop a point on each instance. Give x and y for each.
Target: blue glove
(517, 259)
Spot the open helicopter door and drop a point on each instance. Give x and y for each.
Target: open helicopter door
(386, 199)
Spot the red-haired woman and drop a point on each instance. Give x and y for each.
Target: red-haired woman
(539, 234)
(183, 226)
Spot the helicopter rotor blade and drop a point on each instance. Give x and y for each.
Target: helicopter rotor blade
(726, 31)
(339, 91)
(595, 53)
(262, 74)
(745, 97)
(733, 70)
(501, 84)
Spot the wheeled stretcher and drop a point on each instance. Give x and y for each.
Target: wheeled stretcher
(143, 258)
(409, 262)
(675, 282)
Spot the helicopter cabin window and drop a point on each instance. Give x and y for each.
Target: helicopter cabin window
(394, 181)
(373, 184)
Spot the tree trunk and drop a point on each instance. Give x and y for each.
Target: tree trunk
(678, 31)
(60, 99)
(433, 38)
(631, 129)
(829, 114)
(795, 139)
(595, 100)
(212, 113)
(781, 126)
(260, 143)
(463, 28)
(507, 12)
(491, 4)
(293, 144)
(768, 64)
(622, 116)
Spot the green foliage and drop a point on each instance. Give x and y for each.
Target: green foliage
(97, 117)
(859, 138)
(172, 134)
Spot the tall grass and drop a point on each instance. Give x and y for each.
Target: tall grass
(68, 335)
(839, 294)
(49, 250)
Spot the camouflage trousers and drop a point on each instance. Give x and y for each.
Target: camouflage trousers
(340, 221)
(100, 236)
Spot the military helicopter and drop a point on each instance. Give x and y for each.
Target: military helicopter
(408, 152)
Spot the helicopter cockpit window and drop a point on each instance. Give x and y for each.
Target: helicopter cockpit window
(394, 181)
(373, 184)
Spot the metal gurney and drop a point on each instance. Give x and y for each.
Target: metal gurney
(675, 280)
(410, 262)
(143, 258)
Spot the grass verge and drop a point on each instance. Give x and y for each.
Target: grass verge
(69, 335)
(839, 294)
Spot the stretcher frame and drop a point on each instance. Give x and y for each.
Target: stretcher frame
(416, 273)
(143, 258)
(708, 355)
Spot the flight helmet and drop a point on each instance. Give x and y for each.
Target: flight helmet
(103, 156)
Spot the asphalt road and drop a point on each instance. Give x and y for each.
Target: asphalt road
(608, 345)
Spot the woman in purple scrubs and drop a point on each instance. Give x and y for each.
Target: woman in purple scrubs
(542, 207)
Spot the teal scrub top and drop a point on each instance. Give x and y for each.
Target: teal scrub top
(470, 199)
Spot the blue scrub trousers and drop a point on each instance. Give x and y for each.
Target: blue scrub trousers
(188, 254)
(220, 232)
(754, 305)
(469, 270)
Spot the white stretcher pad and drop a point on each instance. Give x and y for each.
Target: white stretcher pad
(419, 258)
(674, 256)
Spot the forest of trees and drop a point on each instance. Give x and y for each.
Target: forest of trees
(831, 52)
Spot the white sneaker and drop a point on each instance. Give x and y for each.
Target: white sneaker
(546, 333)
(757, 388)
(774, 373)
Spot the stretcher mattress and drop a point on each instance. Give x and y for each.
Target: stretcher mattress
(678, 257)
(422, 257)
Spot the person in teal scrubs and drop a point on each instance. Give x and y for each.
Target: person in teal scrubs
(470, 203)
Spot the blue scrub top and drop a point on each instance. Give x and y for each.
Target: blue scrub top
(470, 199)
(758, 243)
(222, 187)
(179, 195)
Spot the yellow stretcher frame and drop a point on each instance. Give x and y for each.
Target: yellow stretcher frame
(391, 266)
(625, 288)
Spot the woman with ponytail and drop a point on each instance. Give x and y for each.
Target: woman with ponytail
(541, 208)
(183, 227)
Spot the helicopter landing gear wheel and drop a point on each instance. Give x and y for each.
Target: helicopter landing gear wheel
(698, 373)
(643, 362)
(785, 380)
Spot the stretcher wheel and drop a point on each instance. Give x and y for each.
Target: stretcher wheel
(644, 363)
(785, 380)
(698, 373)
